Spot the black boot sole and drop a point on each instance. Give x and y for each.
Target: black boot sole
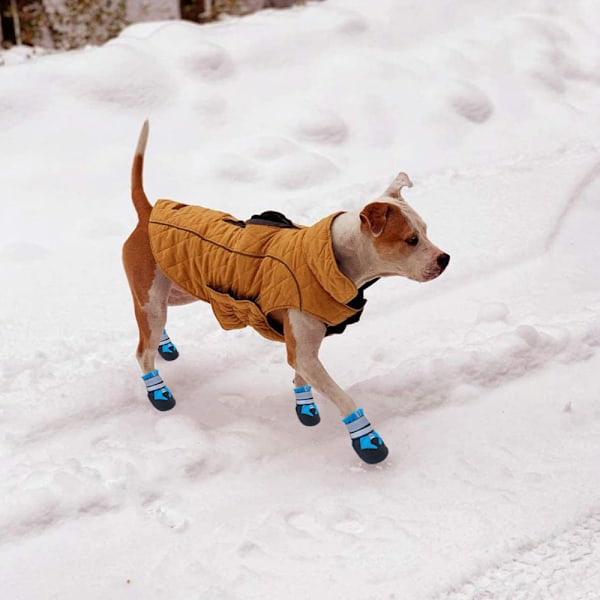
(162, 405)
(169, 355)
(372, 457)
(307, 420)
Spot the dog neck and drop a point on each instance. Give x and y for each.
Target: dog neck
(354, 252)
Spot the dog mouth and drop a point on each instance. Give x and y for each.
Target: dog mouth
(436, 269)
(431, 275)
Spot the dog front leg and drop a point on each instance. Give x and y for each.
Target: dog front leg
(303, 336)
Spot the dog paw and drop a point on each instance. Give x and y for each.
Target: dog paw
(306, 409)
(162, 399)
(167, 348)
(370, 448)
(168, 351)
(308, 414)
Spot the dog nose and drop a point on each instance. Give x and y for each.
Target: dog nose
(443, 260)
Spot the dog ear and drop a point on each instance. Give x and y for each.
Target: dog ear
(402, 180)
(374, 217)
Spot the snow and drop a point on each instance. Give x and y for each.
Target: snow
(483, 383)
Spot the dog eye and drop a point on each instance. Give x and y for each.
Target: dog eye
(412, 241)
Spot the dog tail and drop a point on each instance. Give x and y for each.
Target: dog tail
(140, 200)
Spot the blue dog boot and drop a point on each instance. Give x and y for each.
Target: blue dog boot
(306, 409)
(166, 348)
(158, 393)
(367, 443)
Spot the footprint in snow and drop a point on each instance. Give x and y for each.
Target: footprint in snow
(350, 526)
(169, 516)
(303, 522)
(349, 521)
(323, 126)
(471, 103)
(209, 61)
(353, 24)
(234, 167)
(303, 170)
(270, 147)
(492, 312)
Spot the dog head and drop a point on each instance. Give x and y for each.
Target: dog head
(399, 236)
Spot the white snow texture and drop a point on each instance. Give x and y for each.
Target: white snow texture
(484, 383)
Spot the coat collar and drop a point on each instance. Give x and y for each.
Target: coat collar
(320, 257)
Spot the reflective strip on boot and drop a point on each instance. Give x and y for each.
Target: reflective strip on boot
(365, 440)
(166, 347)
(159, 394)
(155, 386)
(306, 409)
(357, 424)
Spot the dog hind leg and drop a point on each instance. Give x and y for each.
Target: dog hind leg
(152, 317)
(150, 291)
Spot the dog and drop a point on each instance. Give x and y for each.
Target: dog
(291, 283)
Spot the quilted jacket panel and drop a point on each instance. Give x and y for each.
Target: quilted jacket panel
(248, 271)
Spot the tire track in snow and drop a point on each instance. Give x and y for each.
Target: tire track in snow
(564, 567)
(589, 178)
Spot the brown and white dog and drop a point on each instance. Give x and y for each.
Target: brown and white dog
(386, 237)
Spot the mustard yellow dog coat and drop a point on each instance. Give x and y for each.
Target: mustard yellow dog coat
(246, 270)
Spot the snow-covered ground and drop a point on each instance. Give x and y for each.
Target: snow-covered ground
(483, 383)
